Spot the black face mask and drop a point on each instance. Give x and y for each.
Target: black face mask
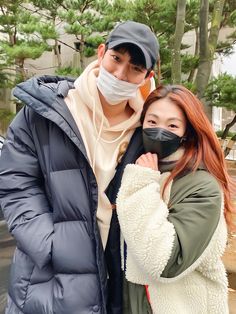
(160, 141)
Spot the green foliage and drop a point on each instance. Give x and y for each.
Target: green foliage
(89, 52)
(47, 31)
(84, 18)
(6, 77)
(229, 134)
(3, 79)
(120, 10)
(189, 62)
(221, 92)
(161, 17)
(87, 20)
(6, 116)
(24, 34)
(225, 48)
(229, 14)
(192, 15)
(48, 8)
(232, 18)
(6, 73)
(228, 20)
(68, 71)
(23, 50)
(165, 51)
(94, 41)
(91, 45)
(27, 25)
(189, 85)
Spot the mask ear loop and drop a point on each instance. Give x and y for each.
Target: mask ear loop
(183, 139)
(158, 71)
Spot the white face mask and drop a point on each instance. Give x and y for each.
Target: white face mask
(114, 90)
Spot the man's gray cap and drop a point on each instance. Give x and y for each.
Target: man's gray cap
(138, 34)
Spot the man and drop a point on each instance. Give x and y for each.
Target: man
(60, 154)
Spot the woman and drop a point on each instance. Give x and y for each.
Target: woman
(173, 207)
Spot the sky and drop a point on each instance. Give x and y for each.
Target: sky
(228, 64)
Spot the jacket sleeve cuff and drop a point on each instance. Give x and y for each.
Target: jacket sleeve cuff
(139, 176)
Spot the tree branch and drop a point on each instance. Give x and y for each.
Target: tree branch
(227, 128)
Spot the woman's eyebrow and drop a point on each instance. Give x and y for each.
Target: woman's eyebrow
(174, 119)
(169, 119)
(153, 115)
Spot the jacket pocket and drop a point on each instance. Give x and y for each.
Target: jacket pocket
(20, 274)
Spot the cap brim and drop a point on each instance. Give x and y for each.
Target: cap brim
(147, 58)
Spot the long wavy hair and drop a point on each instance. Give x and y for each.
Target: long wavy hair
(201, 145)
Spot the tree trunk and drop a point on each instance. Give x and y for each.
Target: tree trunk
(228, 127)
(196, 52)
(20, 69)
(229, 146)
(179, 32)
(82, 46)
(58, 55)
(224, 135)
(203, 48)
(207, 46)
(56, 47)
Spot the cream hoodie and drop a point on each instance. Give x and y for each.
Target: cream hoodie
(102, 141)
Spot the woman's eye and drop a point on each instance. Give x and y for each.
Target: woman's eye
(173, 126)
(151, 122)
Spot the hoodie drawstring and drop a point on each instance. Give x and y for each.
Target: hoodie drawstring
(99, 132)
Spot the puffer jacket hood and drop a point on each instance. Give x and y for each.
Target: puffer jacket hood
(44, 95)
(43, 91)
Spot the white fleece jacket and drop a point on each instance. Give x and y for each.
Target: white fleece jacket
(143, 217)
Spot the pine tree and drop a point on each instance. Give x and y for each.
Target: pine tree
(49, 10)
(161, 16)
(89, 21)
(23, 35)
(221, 92)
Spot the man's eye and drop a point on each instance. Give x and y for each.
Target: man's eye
(116, 58)
(137, 69)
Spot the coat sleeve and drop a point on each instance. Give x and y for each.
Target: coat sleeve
(23, 200)
(143, 220)
(195, 209)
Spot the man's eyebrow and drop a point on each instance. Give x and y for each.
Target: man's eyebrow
(122, 52)
(142, 67)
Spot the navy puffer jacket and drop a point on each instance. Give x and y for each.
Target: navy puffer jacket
(49, 197)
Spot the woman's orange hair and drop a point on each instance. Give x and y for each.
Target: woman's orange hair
(201, 145)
